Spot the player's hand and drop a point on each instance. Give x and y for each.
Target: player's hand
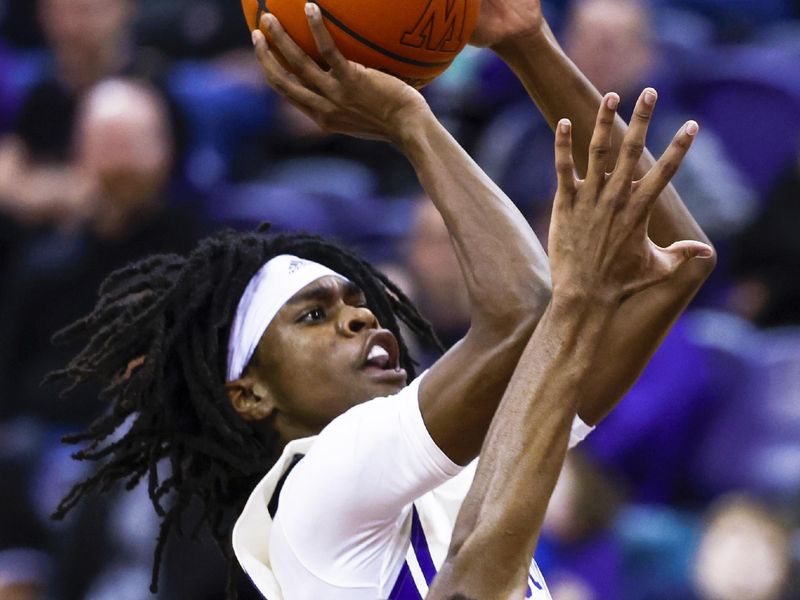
(599, 247)
(347, 97)
(501, 20)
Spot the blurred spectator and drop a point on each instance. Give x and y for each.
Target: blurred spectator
(90, 40)
(18, 23)
(438, 284)
(20, 523)
(299, 154)
(745, 552)
(753, 441)
(6, 98)
(577, 548)
(9, 232)
(124, 151)
(766, 261)
(737, 19)
(192, 28)
(124, 148)
(612, 42)
(23, 574)
(653, 435)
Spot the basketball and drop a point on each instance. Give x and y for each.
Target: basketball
(415, 40)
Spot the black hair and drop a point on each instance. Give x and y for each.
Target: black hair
(156, 342)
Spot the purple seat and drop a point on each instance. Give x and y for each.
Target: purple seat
(751, 97)
(753, 443)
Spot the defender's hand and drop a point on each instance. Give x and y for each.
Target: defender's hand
(599, 247)
(347, 97)
(501, 20)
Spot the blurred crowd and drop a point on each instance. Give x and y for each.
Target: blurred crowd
(131, 127)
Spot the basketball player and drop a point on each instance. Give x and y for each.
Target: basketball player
(292, 324)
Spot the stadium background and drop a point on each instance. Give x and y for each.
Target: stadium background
(690, 490)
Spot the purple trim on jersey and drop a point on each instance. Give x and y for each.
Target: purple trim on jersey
(536, 584)
(420, 545)
(405, 588)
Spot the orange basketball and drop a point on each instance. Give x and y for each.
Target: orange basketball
(415, 40)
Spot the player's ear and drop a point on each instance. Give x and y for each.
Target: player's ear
(250, 398)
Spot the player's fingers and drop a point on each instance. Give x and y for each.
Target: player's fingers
(325, 44)
(299, 62)
(565, 167)
(281, 80)
(658, 177)
(600, 146)
(634, 142)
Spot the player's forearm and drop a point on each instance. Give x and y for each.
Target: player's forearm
(499, 523)
(504, 265)
(560, 90)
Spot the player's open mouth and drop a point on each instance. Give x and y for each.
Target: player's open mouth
(381, 355)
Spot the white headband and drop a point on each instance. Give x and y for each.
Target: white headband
(269, 289)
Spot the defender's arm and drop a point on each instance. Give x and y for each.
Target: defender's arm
(498, 524)
(524, 41)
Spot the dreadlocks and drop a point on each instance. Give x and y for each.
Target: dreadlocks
(156, 342)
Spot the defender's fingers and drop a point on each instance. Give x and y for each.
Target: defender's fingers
(325, 44)
(600, 146)
(299, 62)
(634, 142)
(668, 261)
(565, 167)
(281, 80)
(659, 176)
(682, 252)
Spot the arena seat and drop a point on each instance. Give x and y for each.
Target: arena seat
(751, 97)
(753, 443)
(221, 113)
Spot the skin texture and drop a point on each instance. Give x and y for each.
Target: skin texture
(317, 343)
(498, 525)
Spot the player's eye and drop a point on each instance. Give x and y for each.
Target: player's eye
(314, 315)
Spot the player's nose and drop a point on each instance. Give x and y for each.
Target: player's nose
(353, 319)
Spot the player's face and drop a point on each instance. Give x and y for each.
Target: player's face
(325, 352)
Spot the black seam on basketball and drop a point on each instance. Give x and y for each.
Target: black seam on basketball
(369, 44)
(262, 9)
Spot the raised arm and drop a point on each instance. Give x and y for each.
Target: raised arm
(502, 262)
(517, 32)
(600, 255)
